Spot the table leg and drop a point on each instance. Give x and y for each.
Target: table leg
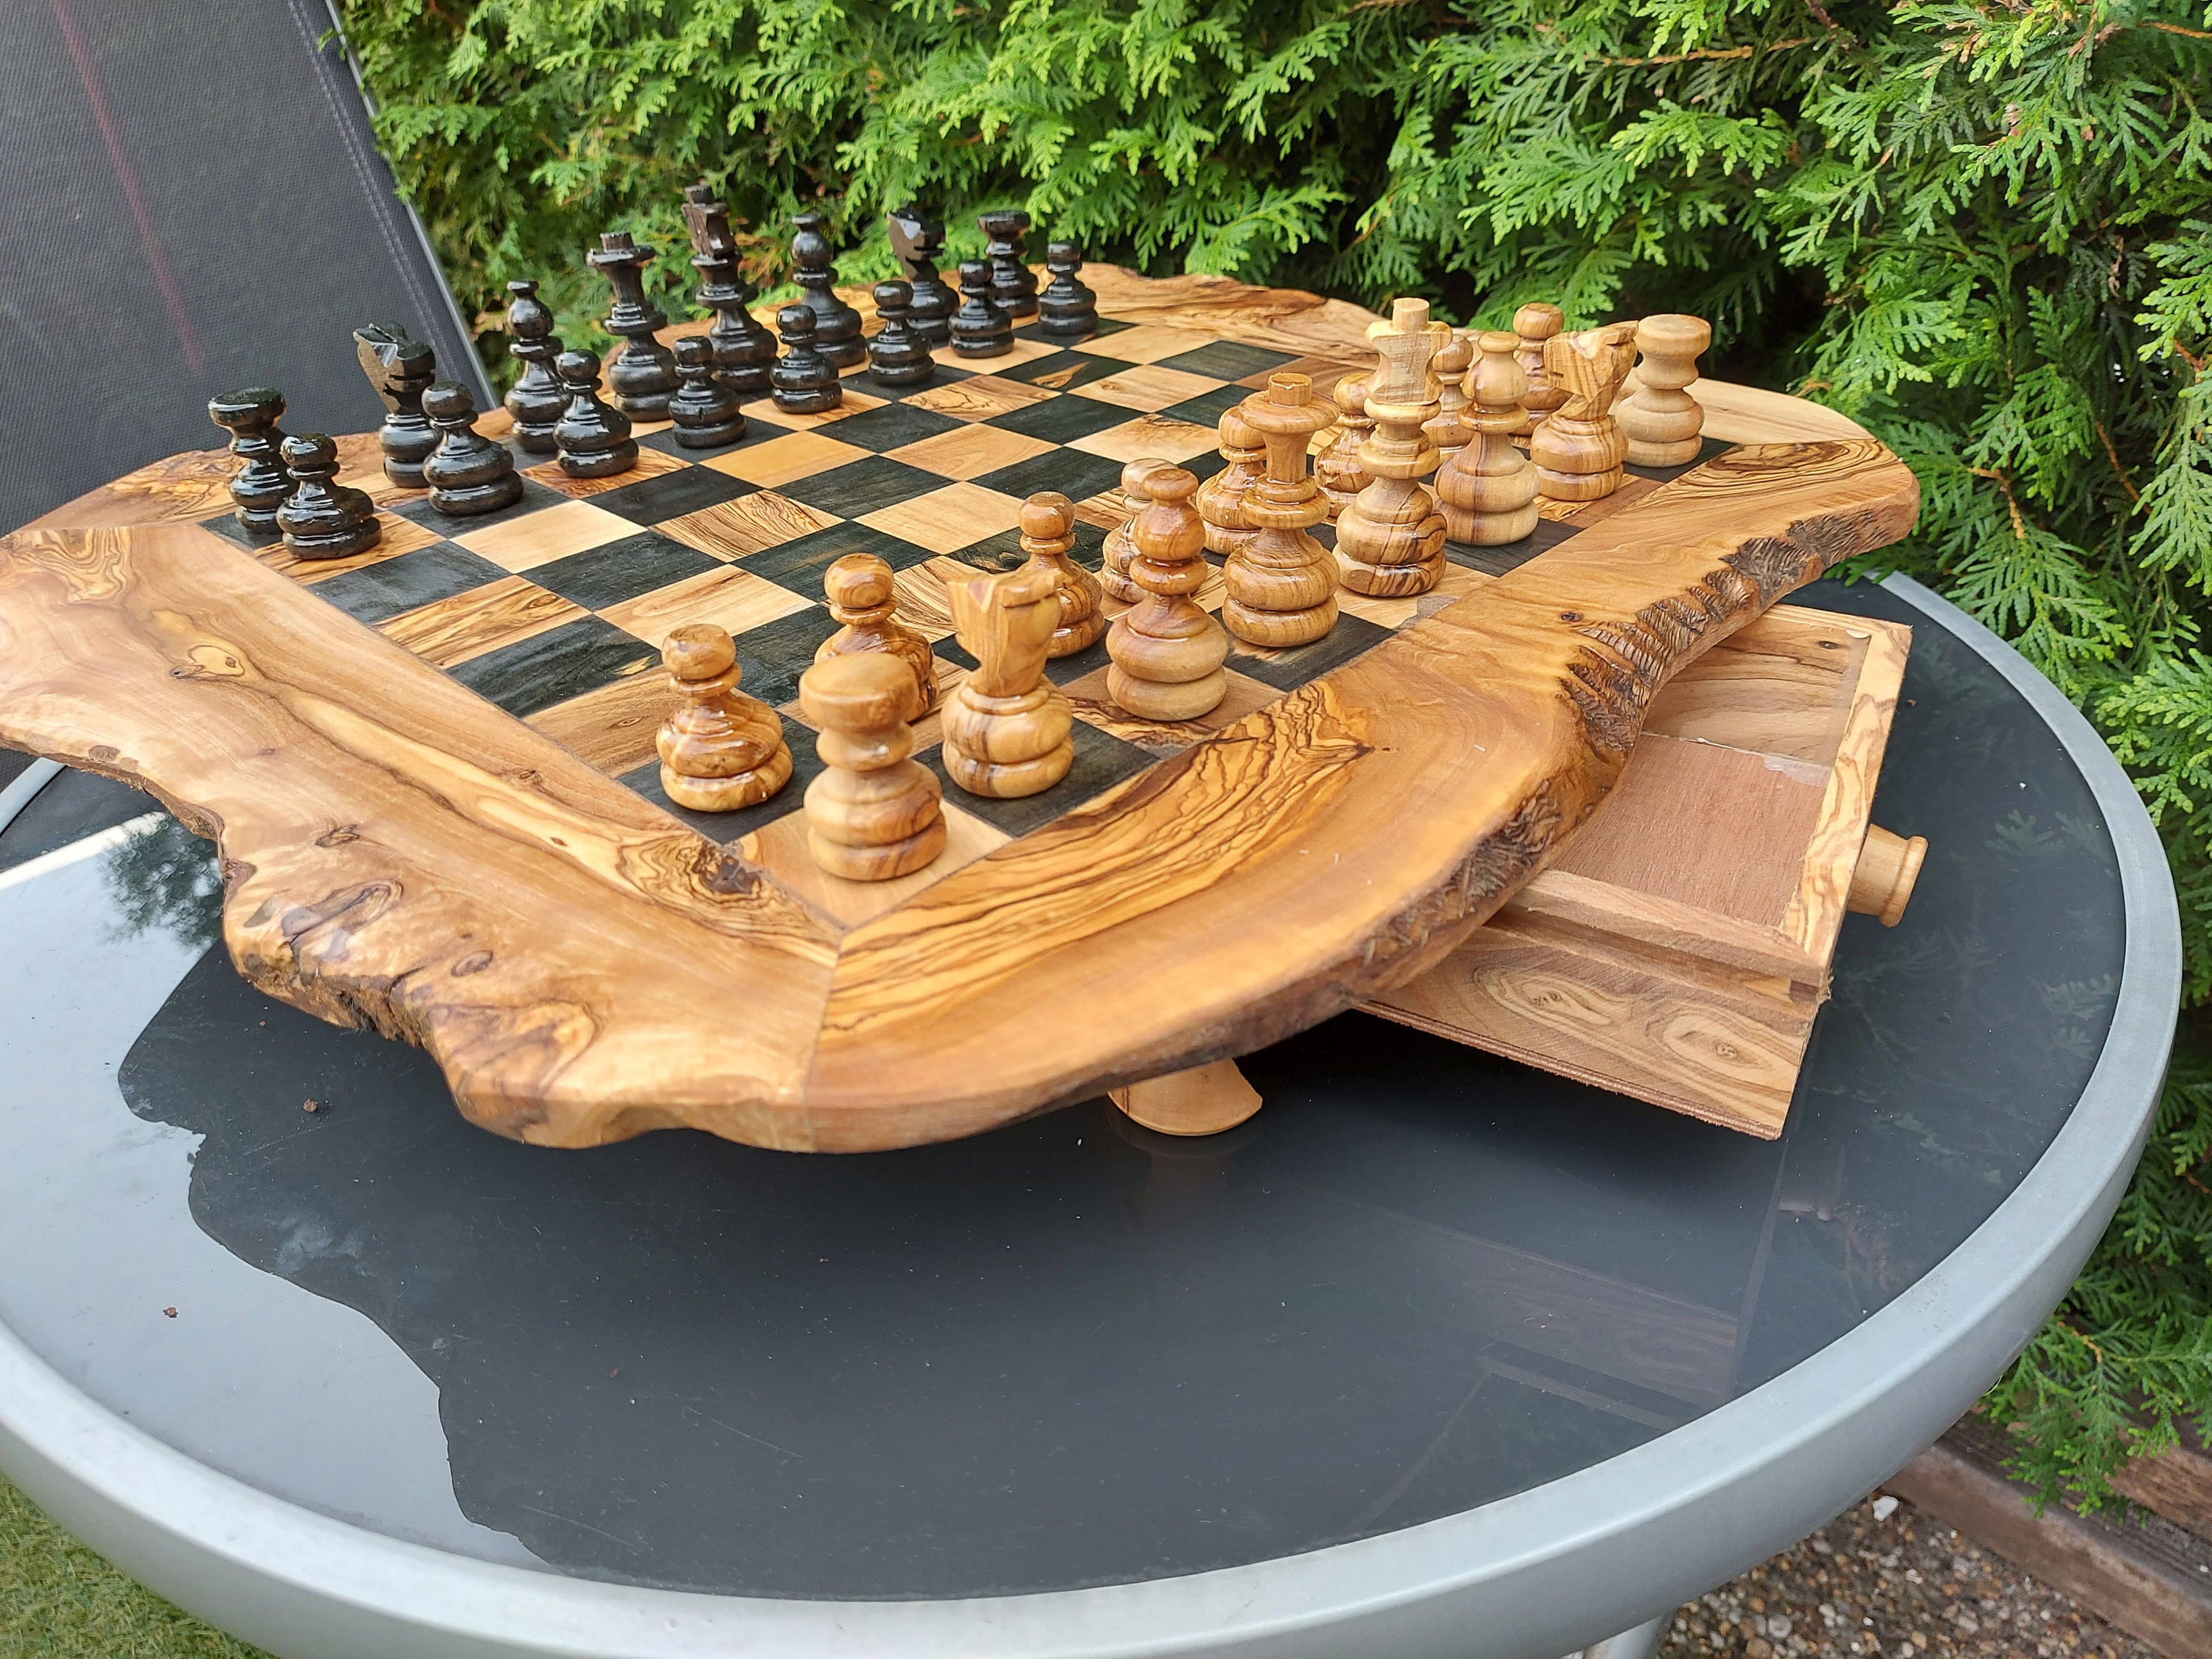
(1203, 1101)
(1641, 1643)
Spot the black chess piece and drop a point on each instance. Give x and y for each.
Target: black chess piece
(705, 409)
(806, 381)
(1070, 308)
(400, 370)
(321, 519)
(1013, 285)
(918, 241)
(643, 373)
(897, 356)
(261, 483)
(593, 436)
(743, 350)
(536, 399)
(836, 325)
(979, 328)
(468, 473)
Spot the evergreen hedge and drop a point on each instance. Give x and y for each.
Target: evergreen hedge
(1983, 230)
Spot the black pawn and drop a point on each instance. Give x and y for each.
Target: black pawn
(743, 350)
(1013, 285)
(980, 329)
(804, 380)
(836, 325)
(593, 437)
(1071, 310)
(643, 373)
(536, 399)
(400, 370)
(898, 355)
(468, 472)
(261, 483)
(704, 408)
(918, 241)
(321, 519)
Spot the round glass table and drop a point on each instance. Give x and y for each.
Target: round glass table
(1439, 1355)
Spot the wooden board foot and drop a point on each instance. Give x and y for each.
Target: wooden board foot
(1881, 881)
(1203, 1101)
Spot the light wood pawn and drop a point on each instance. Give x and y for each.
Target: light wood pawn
(1167, 651)
(720, 751)
(862, 596)
(874, 813)
(1114, 567)
(1337, 468)
(1047, 537)
(1488, 490)
(1221, 497)
(1659, 419)
(1282, 584)
(1533, 325)
(1578, 450)
(1448, 428)
(1006, 727)
(1391, 538)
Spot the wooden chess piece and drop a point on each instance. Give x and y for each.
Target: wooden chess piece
(1007, 726)
(875, 813)
(259, 486)
(467, 472)
(1013, 284)
(836, 325)
(980, 327)
(1069, 308)
(1336, 469)
(722, 749)
(1167, 651)
(863, 597)
(1049, 536)
(897, 356)
(918, 243)
(642, 376)
(1392, 538)
(1282, 583)
(321, 519)
(1578, 449)
(535, 400)
(1448, 429)
(1221, 497)
(1488, 490)
(1113, 566)
(1532, 325)
(705, 408)
(804, 380)
(743, 350)
(1659, 419)
(400, 370)
(591, 439)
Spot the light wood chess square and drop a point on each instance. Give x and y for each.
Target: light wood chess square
(945, 520)
(1148, 343)
(1323, 372)
(483, 619)
(1159, 435)
(979, 397)
(399, 536)
(1148, 387)
(852, 402)
(1096, 706)
(1455, 585)
(1024, 351)
(651, 463)
(780, 848)
(751, 524)
(1107, 512)
(921, 602)
(612, 729)
(538, 538)
(732, 598)
(780, 460)
(970, 451)
(1383, 613)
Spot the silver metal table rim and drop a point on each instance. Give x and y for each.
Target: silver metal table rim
(1529, 1577)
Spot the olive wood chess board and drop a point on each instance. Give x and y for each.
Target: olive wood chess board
(429, 768)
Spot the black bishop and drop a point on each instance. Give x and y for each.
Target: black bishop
(642, 376)
(535, 399)
(836, 325)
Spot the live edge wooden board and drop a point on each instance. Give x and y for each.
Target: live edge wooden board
(401, 852)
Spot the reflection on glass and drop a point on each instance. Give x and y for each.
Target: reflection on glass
(167, 878)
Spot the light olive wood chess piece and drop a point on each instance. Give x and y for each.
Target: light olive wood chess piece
(1447, 428)
(643, 374)
(467, 472)
(400, 370)
(706, 410)
(1533, 324)
(875, 813)
(1006, 727)
(1167, 651)
(592, 437)
(722, 749)
(1282, 583)
(1049, 536)
(1488, 490)
(1113, 563)
(535, 400)
(1391, 538)
(1337, 468)
(259, 486)
(1578, 449)
(743, 349)
(1221, 497)
(1661, 422)
(321, 519)
(864, 597)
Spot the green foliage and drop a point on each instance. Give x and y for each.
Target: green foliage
(1985, 230)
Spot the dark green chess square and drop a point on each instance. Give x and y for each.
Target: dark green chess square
(799, 563)
(893, 427)
(775, 654)
(376, 593)
(1074, 473)
(672, 494)
(1061, 420)
(1287, 670)
(624, 570)
(551, 667)
(1228, 360)
(1002, 552)
(1102, 760)
(859, 488)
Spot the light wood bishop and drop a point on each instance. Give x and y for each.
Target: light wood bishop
(1007, 726)
(1282, 585)
(1447, 428)
(1338, 468)
(1488, 490)
(1578, 450)
(1167, 651)
(874, 813)
(1659, 419)
(1392, 538)
(861, 596)
(722, 749)
(1221, 497)
(1114, 567)
(1533, 326)
(1048, 536)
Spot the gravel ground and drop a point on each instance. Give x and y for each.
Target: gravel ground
(1883, 1578)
